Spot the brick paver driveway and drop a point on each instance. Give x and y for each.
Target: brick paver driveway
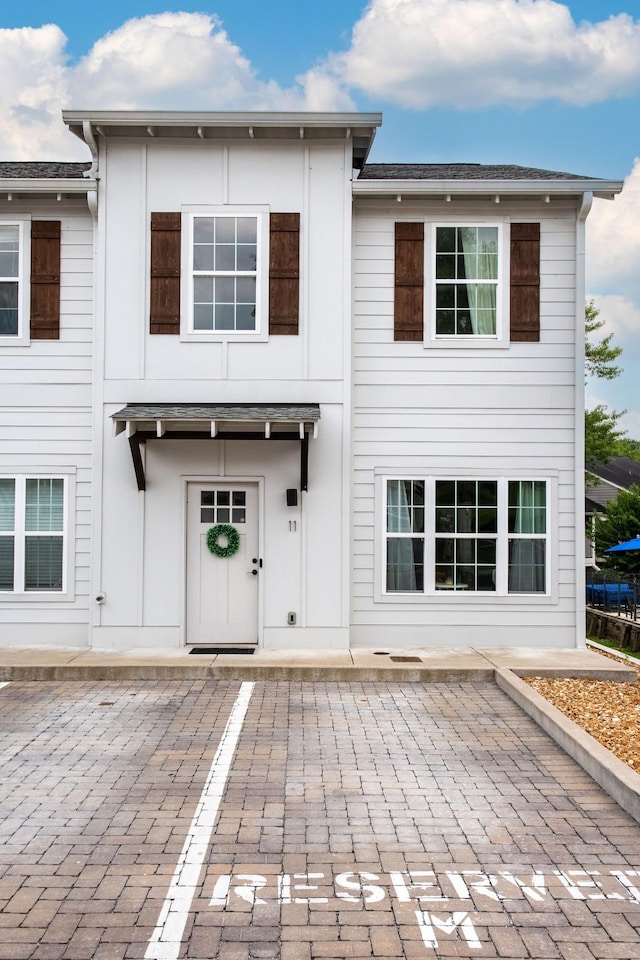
(299, 820)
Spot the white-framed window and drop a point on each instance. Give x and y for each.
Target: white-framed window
(14, 294)
(226, 285)
(466, 269)
(465, 536)
(33, 539)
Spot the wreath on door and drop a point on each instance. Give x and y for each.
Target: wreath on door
(231, 537)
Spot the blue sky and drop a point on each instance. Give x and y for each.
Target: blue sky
(534, 82)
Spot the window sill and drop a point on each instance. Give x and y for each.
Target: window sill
(37, 596)
(232, 336)
(466, 343)
(464, 597)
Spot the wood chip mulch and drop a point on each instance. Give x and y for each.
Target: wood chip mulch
(606, 709)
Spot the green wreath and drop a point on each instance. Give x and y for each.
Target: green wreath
(230, 534)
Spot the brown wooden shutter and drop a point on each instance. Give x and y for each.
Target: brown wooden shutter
(45, 280)
(284, 273)
(408, 314)
(165, 273)
(525, 282)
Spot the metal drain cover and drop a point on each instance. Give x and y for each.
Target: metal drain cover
(406, 659)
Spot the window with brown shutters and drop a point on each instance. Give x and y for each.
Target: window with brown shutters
(408, 317)
(284, 273)
(45, 280)
(165, 273)
(525, 282)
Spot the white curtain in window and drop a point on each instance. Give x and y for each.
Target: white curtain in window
(480, 264)
(527, 557)
(401, 574)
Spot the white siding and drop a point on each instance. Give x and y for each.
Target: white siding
(305, 549)
(462, 411)
(45, 394)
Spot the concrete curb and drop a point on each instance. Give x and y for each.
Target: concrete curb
(614, 776)
(328, 674)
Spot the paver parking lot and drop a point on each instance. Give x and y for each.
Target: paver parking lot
(214, 819)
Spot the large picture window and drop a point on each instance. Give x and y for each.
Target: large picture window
(225, 273)
(466, 280)
(466, 535)
(32, 539)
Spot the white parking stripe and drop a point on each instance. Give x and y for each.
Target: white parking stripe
(4, 683)
(166, 940)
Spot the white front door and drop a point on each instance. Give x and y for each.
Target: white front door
(222, 592)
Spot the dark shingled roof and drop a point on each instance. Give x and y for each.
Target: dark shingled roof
(42, 170)
(219, 411)
(460, 171)
(622, 471)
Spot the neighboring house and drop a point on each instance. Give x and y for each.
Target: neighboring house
(604, 483)
(373, 372)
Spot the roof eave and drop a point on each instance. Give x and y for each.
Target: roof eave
(359, 128)
(48, 185)
(604, 189)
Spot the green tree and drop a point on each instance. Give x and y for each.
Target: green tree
(601, 435)
(626, 447)
(601, 432)
(599, 356)
(620, 522)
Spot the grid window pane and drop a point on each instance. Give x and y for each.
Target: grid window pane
(405, 506)
(527, 567)
(464, 509)
(225, 253)
(7, 503)
(43, 563)
(9, 250)
(44, 505)
(8, 308)
(6, 562)
(405, 564)
(466, 272)
(527, 506)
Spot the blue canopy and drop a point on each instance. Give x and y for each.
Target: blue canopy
(627, 545)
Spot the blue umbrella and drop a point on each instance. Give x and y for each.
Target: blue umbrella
(627, 545)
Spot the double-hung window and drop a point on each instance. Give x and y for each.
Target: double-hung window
(225, 252)
(32, 534)
(10, 279)
(466, 280)
(466, 536)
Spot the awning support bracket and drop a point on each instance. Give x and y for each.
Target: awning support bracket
(136, 456)
(138, 437)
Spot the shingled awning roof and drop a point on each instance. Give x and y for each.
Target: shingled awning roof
(217, 421)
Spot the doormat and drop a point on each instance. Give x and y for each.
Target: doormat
(406, 659)
(215, 650)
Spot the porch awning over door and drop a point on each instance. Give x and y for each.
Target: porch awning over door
(217, 421)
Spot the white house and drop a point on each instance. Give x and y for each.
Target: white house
(371, 373)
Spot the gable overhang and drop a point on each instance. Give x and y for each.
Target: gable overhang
(357, 128)
(492, 189)
(270, 422)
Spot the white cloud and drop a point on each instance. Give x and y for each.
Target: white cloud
(613, 241)
(475, 53)
(163, 61)
(621, 317)
(34, 83)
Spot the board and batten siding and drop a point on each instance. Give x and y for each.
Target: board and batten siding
(45, 393)
(461, 412)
